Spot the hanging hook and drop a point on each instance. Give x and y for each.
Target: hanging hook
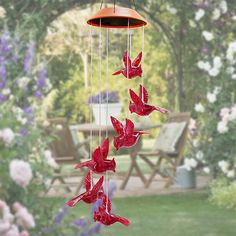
(114, 6)
(101, 4)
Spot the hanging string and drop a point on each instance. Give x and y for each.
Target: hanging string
(100, 80)
(128, 52)
(90, 113)
(107, 76)
(143, 38)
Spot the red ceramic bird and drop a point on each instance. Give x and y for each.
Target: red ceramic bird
(91, 194)
(127, 136)
(140, 105)
(99, 163)
(132, 69)
(105, 216)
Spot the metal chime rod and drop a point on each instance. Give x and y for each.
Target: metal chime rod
(143, 37)
(100, 79)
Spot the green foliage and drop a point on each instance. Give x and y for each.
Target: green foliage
(223, 193)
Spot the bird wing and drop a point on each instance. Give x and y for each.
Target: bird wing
(118, 126)
(96, 155)
(137, 60)
(129, 127)
(98, 185)
(135, 98)
(126, 60)
(143, 93)
(87, 182)
(105, 148)
(83, 164)
(73, 201)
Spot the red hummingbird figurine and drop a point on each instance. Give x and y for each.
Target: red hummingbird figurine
(91, 194)
(140, 105)
(132, 69)
(105, 216)
(99, 163)
(127, 136)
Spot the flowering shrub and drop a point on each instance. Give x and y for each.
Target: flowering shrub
(215, 108)
(104, 97)
(24, 165)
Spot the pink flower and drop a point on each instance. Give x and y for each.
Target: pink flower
(24, 233)
(20, 172)
(23, 217)
(224, 114)
(13, 231)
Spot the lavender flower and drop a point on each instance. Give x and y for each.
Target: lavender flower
(29, 57)
(3, 69)
(60, 215)
(42, 78)
(96, 205)
(3, 84)
(2, 98)
(95, 229)
(23, 132)
(81, 223)
(38, 94)
(5, 43)
(112, 189)
(105, 96)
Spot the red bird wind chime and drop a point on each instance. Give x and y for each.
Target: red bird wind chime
(126, 18)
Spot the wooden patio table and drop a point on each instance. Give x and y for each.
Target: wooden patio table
(96, 129)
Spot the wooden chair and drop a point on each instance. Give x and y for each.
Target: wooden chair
(169, 147)
(66, 149)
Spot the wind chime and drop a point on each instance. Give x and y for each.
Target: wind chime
(120, 18)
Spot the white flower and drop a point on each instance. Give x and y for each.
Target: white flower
(230, 174)
(20, 172)
(233, 77)
(4, 226)
(216, 14)
(6, 91)
(190, 163)
(2, 12)
(234, 17)
(207, 35)
(217, 90)
(211, 97)
(199, 155)
(204, 65)
(199, 14)
(46, 123)
(59, 127)
(13, 231)
(206, 170)
(231, 51)
(217, 62)
(8, 136)
(224, 165)
(224, 114)
(171, 9)
(222, 127)
(50, 160)
(214, 72)
(23, 82)
(223, 6)
(199, 107)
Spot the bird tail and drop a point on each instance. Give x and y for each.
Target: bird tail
(117, 72)
(123, 221)
(162, 110)
(75, 200)
(143, 132)
(81, 165)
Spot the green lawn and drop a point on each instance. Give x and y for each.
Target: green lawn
(187, 214)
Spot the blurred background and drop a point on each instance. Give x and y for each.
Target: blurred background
(177, 180)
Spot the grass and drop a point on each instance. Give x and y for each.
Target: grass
(188, 214)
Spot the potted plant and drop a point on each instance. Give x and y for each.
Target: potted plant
(108, 103)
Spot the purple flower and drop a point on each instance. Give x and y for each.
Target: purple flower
(29, 57)
(96, 205)
(42, 78)
(3, 84)
(60, 215)
(112, 189)
(105, 96)
(5, 43)
(38, 94)
(95, 229)
(3, 69)
(3, 98)
(23, 132)
(205, 50)
(81, 223)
